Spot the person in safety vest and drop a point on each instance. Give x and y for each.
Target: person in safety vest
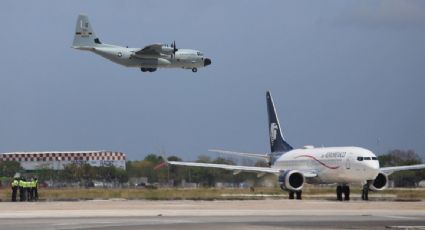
(28, 189)
(15, 186)
(35, 195)
(22, 190)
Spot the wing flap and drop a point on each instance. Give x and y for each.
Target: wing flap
(253, 155)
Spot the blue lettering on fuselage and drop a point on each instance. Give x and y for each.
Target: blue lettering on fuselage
(334, 155)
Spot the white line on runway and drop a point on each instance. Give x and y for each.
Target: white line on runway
(398, 217)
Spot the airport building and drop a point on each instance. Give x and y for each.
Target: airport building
(57, 160)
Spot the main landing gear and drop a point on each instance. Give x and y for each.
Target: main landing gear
(194, 70)
(342, 189)
(297, 193)
(148, 69)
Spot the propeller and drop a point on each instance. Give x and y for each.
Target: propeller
(173, 45)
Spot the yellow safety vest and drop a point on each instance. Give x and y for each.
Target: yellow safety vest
(15, 183)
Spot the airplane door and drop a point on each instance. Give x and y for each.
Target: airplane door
(347, 163)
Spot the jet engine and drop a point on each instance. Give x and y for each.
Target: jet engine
(291, 180)
(380, 182)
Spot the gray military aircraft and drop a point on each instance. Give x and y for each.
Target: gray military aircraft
(148, 59)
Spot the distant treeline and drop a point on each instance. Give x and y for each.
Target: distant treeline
(153, 168)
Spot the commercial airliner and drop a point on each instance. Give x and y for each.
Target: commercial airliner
(327, 165)
(148, 59)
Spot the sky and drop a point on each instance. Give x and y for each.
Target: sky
(342, 73)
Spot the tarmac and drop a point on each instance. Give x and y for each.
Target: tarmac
(205, 215)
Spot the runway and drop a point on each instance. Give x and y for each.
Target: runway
(223, 215)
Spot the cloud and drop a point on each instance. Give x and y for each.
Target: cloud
(392, 14)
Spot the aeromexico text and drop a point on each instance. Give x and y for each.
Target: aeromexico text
(334, 155)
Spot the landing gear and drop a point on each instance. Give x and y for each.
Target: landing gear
(299, 193)
(291, 195)
(365, 191)
(342, 189)
(295, 195)
(148, 69)
(194, 70)
(346, 191)
(339, 192)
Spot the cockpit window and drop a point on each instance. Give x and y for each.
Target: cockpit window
(374, 158)
(360, 158)
(366, 158)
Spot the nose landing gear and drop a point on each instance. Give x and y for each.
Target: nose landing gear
(365, 191)
(194, 70)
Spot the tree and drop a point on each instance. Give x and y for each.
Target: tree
(9, 168)
(402, 157)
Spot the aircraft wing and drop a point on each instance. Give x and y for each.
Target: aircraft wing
(154, 49)
(253, 155)
(228, 167)
(238, 168)
(389, 170)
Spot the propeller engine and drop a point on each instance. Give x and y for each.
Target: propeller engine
(173, 45)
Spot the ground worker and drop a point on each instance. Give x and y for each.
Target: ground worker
(32, 189)
(28, 189)
(21, 189)
(35, 188)
(15, 185)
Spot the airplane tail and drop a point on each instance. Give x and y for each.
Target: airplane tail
(84, 37)
(277, 142)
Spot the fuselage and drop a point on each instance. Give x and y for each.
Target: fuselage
(183, 58)
(342, 165)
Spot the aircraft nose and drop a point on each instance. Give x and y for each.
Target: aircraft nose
(207, 61)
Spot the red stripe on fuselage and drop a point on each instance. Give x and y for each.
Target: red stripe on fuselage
(327, 166)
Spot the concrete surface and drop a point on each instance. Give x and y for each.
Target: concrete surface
(260, 214)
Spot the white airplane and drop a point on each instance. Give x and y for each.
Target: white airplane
(332, 165)
(148, 59)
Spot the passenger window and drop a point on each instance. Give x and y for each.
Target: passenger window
(360, 158)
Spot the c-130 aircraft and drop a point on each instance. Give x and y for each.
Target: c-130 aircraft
(148, 59)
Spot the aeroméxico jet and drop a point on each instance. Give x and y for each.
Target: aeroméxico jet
(148, 59)
(327, 165)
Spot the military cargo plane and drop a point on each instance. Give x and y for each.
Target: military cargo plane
(148, 59)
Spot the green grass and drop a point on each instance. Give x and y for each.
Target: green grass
(69, 194)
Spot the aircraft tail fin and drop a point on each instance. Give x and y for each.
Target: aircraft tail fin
(84, 37)
(277, 141)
